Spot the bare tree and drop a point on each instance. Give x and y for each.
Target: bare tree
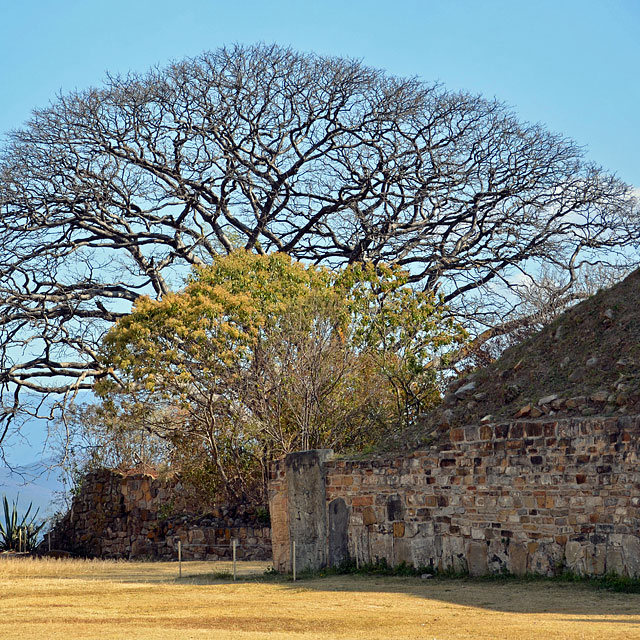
(111, 193)
(535, 301)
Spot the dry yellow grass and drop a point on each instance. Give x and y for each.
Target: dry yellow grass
(143, 601)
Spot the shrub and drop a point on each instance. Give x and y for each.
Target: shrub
(18, 534)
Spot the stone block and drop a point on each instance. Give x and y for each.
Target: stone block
(196, 536)
(518, 556)
(614, 562)
(402, 551)
(631, 555)
(477, 563)
(424, 552)
(595, 559)
(546, 559)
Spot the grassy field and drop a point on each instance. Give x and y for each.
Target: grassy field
(75, 599)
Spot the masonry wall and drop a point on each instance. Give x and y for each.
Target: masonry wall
(138, 516)
(521, 497)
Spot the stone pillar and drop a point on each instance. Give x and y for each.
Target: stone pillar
(338, 532)
(279, 516)
(297, 502)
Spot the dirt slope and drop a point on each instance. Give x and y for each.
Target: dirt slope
(587, 362)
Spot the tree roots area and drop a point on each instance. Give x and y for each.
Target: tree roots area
(52, 598)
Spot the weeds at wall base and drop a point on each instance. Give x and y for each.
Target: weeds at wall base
(609, 582)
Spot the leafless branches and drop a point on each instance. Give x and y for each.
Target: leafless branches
(112, 193)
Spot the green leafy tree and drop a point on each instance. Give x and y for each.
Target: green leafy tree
(261, 355)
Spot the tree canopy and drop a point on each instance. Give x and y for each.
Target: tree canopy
(114, 192)
(259, 356)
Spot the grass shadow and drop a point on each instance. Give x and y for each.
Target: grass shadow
(527, 595)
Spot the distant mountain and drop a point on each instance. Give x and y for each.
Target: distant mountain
(29, 453)
(32, 483)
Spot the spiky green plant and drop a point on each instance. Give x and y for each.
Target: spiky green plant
(18, 533)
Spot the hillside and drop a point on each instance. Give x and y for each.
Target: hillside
(33, 483)
(585, 363)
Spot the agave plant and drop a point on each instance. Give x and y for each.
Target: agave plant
(18, 534)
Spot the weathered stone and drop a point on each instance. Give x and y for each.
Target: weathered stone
(456, 383)
(117, 516)
(369, 516)
(520, 496)
(196, 536)
(424, 551)
(545, 559)
(401, 551)
(306, 503)
(477, 558)
(451, 550)
(615, 562)
(449, 399)
(576, 401)
(577, 374)
(523, 411)
(599, 396)
(465, 389)
(573, 554)
(395, 508)
(595, 556)
(446, 417)
(547, 399)
(497, 557)
(518, 555)
(338, 532)
(631, 555)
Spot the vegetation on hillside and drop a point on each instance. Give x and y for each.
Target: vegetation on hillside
(584, 363)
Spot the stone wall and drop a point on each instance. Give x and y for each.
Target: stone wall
(138, 516)
(534, 496)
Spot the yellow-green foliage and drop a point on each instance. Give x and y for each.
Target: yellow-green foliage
(260, 355)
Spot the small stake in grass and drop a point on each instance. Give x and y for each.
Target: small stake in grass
(180, 558)
(294, 561)
(233, 546)
(19, 540)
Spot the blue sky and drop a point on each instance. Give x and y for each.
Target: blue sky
(572, 65)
